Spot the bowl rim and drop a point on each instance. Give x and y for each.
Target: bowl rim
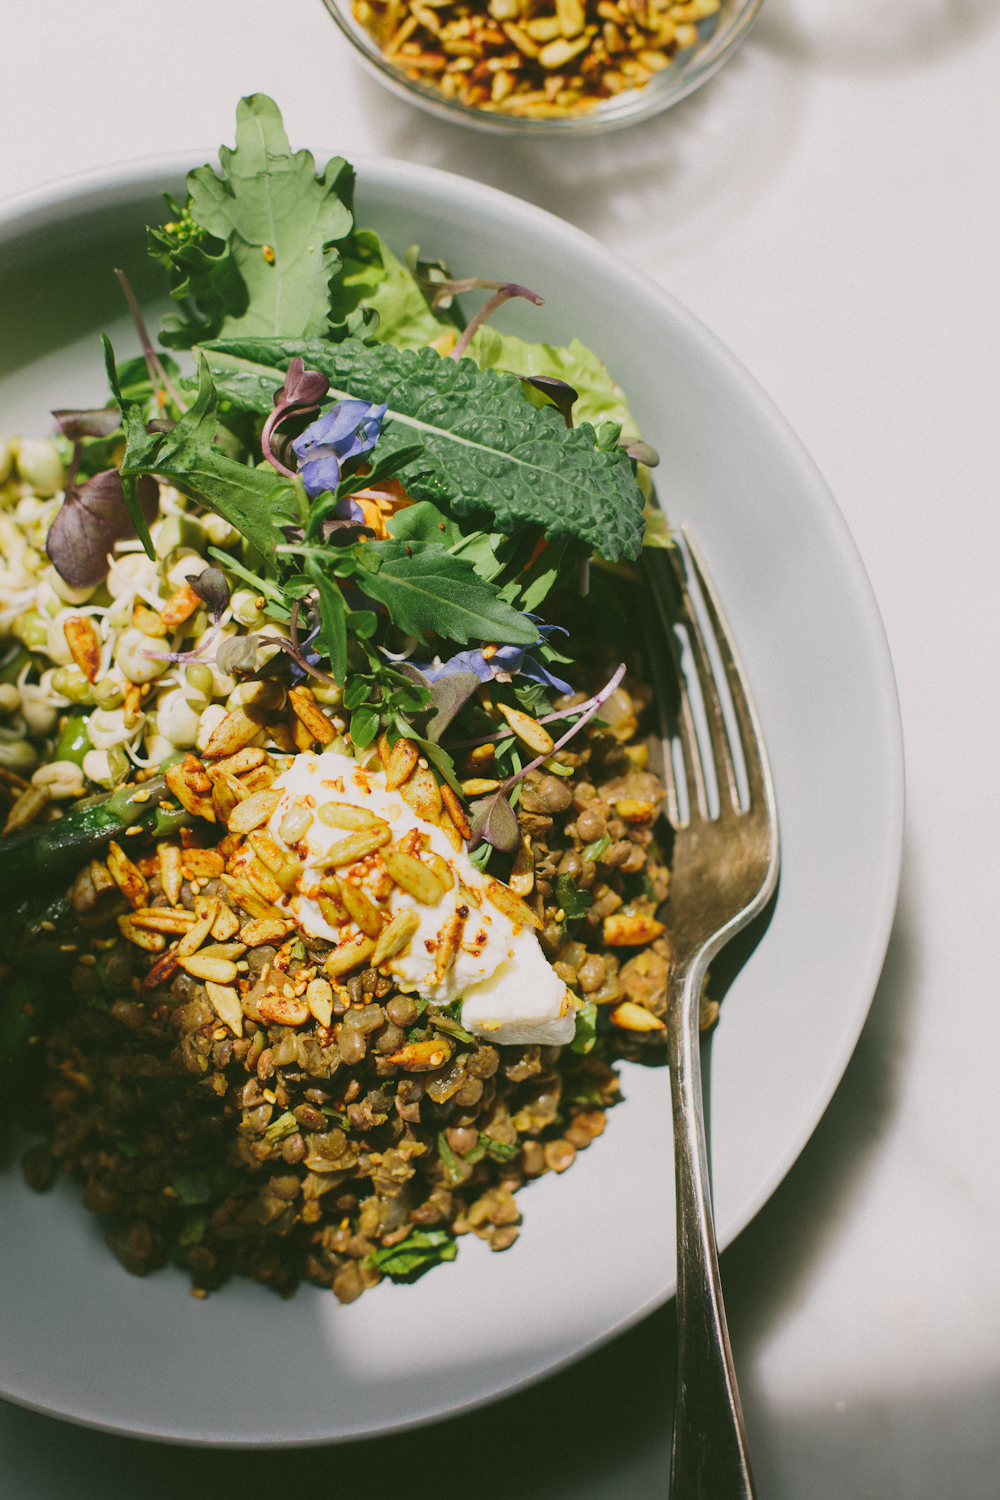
(89, 192)
(630, 107)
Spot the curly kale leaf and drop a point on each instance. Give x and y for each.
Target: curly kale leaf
(490, 456)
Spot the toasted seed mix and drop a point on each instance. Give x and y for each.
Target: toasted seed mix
(537, 59)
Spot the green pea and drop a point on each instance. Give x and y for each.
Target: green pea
(109, 694)
(71, 683)
(200, 681)
(74, 742)
(31, 628)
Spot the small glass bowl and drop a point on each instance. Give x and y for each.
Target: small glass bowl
(719, 36)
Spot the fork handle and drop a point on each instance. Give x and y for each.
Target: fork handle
(709, 1459)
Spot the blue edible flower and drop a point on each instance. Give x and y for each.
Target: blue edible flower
(350, 428)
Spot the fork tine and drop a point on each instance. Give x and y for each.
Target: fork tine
(721, 749)
(754, 753)
(662, 581)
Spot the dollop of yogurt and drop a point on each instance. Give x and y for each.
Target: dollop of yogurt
(509, 992)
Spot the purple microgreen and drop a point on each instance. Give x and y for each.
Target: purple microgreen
(642, 453)
(584, 709)
(590, 707)
(92, 519)
(493, 822)
(198, 654)
(99, 422)
(211, 586)
(507, 290)
(302, 391)
(238, 654)
(299, 658)
(449, 695)
(157, 374)
(559, 392)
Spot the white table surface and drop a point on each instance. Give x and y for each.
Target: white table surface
(828, 205)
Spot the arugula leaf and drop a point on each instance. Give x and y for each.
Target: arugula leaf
(279, 220)
(186, 456)
(490, 455)
(420, 1251)
(333, 612)
(424, 522)
(573, 902)
(425, 588)
(404, 316)
(363, 269)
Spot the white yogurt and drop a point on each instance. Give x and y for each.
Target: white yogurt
(509, 991)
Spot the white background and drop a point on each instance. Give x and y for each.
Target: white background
(828, 205)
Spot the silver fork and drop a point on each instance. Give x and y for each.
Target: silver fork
(720, 800)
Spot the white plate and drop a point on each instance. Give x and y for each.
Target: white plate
(81, 1339)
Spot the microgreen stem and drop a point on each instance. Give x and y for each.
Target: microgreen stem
(277, 415)
(591, 709)
(508, 290)
(505, 734)
(157, 373)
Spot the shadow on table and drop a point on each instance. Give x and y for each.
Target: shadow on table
(646, 191)
(601, 1428)
(854, 36)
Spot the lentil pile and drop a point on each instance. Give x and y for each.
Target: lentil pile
(238, 1097)
(530, 57)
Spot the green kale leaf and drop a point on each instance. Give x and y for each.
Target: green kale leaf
(490, 456)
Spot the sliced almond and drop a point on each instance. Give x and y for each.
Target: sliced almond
(224, 799)
(522, 875)
(84, 644)
(400, 762)
(244, 760)
(449, 940)
(206, 913)
(264, 884)
(153, 942)
(395, 937)
(126, 876)
(203, 864)
(165, 968)
(357, 846)
(265, 930)
(235, 731)
(347, 815)
(442, 869)
(422, 794)
(254, 811)
(447, 826)
(163, 919)
(258, 780)
(226, 1004)
(180, 606)
(504, 899)
(632, 1017)
(528, 730)
(149, 621)
(422, 1057)
(630, 929)
(184, 782)
(26, 809)
(219, 970)
(478, 786)
(319, 997)
(249, 899)
(226, 924)
(308, 712)
(361, 908)
(413, 876)
(283, 1010)
(348, 955)
(171, 871)
(456, 810)
(285, 868)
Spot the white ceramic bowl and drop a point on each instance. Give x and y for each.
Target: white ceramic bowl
(81, 1339)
